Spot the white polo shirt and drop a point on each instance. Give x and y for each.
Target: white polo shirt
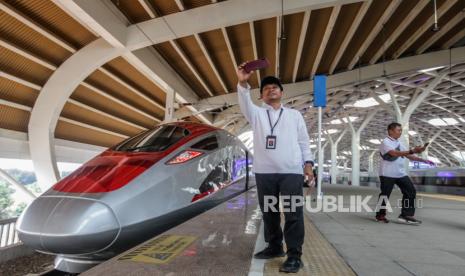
(292, 141)
(391, 168)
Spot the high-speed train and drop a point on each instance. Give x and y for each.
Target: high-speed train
(133, 191)
(439, 180)
(444, 180)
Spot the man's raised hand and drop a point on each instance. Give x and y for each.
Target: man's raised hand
(242, 75)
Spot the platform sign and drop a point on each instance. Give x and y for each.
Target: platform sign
(319, 91)
(160, 250)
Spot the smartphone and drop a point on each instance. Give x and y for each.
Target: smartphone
(426, 144)
(256, 65)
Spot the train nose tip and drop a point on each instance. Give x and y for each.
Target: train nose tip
(65, 225)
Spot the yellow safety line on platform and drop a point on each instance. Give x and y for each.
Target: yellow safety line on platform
(442, 196)
(160, 250)
(319, 257)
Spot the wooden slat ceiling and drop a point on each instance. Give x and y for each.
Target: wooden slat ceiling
(120, 101)
(31, 55)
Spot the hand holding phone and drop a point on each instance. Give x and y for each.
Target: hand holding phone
(256, 65)
(426, 144)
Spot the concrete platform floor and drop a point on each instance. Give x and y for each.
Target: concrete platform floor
(222, 241)
(436, 247)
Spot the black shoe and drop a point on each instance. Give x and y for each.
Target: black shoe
(409, 220)
(291, 265)
(270, 252)
(382, 218)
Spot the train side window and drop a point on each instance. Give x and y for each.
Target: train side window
(209, 143)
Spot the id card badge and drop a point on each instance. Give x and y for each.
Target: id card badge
(270, 142)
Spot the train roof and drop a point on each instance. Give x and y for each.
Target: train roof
(194, 126)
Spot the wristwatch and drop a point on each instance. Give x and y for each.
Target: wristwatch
(309, 162)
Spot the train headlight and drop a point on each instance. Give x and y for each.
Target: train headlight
(184, 157)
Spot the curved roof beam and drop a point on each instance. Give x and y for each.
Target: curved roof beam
(370, 72)
(51, 100)
(350, 33)
(374, 32)
(211, 17)
(112, 26)
(399, 29)
(420, 31)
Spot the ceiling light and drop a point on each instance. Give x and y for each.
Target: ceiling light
(412, 132)
(332, 131)
(450, 121)
(366, 103)
(350, 119)
(459, 154)
(431, 69)
(385, 97)
(437, 122)
(338, 122)
(434, 159)
(375, 141)
(443, 122)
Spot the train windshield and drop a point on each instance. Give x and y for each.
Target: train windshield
(158, 139)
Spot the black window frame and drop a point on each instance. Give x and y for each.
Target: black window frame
(129, 146)
(194, 146)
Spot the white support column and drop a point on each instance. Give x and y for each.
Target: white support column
(50, 103)
(404, 118)
(17, 186)
(323, 160)
(355, 146)
(169, 105)
(419, 136)
(333, 163)
(334, 144)
(345, 169)
(371, 171)
(355, 158)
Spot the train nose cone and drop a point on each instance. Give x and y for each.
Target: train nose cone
(68, 225)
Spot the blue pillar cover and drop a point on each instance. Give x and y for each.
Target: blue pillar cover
(319, 91)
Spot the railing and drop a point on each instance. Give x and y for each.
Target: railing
(8, 235)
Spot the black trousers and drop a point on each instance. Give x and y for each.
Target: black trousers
(275, 184)
(408, 193)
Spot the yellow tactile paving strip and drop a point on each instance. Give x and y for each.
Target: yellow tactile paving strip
(319, 257)
(442, 196)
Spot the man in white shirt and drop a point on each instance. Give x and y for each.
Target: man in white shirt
(391, 171)
(281, 150)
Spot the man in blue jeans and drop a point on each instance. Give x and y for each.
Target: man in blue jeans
(391, 171)
(281, 150)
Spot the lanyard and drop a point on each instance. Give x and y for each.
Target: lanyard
(269, 119)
